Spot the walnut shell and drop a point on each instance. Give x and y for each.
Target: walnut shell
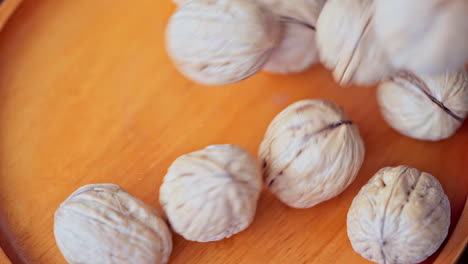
(103, 224)
(217, 42)
(425, 107)
(347, 44)
(401, 216)
(311, 152)
(180, 2)
(297, 49)
(212, 193)
(423, 36)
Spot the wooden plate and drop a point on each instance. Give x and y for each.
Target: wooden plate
(6, 9)
(88, 95)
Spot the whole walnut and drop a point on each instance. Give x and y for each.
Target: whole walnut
(401, 216)
(425, 107)
(297, 49)
(423, 36)
(211, 194)
(103, 224)
(217, 42)
(347, 44)
(311, 152)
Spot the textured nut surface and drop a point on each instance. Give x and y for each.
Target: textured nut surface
(180, 2)
(347, 44)
(423, 36)
(425, 107)
(297, 49)
(103, 224)
(212, 193)
(311, 152)
(401, 216)
(217, 42)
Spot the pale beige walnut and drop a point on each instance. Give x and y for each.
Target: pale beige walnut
(401, 216)
(423, 36)
(311, 152)
(180, 2)
(297, 49)
(425, 107)
(347, 44)
(103, 224)
(216, 42)
(211, 194)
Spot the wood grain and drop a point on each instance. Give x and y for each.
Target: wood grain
(88, 95)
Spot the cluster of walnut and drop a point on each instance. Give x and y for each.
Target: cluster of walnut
(404, 44)
(216, 42)
(363, 42)
(311, 151)
(366, 41)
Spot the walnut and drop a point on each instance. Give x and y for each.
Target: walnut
(217, 42)
(211, 194)
(296, 50)
(401, 216)
(180, 2)
(425, 107)
(423, 36)
(347, 44)
(311, 152)
(103, 224)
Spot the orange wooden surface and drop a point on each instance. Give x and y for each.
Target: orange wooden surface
(454, 248)
(88, 95)
(6, 9)
(3, 258)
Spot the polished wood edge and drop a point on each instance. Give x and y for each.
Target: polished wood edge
(7, 7)
(3, 258)
(452, 251)
(458, 241)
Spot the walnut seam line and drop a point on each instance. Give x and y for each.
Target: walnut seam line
(307, 137)
(290, 20)
(422, 86)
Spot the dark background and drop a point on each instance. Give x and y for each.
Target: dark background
(464, 258)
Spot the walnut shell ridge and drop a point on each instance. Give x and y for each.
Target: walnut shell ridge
(297, 49)
(103, 224)
(347, 43)
(311, 152)
(211, 194)
(401, 216)
(425, 107)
